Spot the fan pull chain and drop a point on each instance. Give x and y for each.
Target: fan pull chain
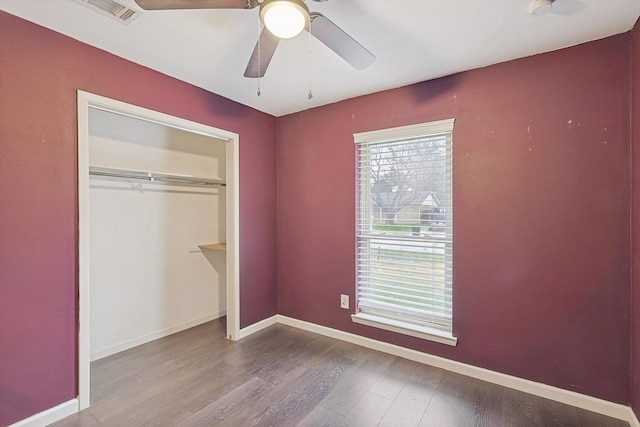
(310, 95)
(259, 54)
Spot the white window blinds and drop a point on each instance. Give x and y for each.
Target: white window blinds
(404, 225)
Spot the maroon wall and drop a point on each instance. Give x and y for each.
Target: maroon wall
(541, 213)
(40, 72)
(635, 221)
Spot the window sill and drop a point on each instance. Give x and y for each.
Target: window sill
(405, 328)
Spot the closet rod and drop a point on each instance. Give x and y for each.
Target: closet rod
(155, 176)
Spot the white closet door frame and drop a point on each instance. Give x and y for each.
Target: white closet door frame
(87, 101)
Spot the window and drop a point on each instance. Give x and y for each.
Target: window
(404, 230)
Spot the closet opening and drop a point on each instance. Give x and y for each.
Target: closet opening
(158, 228)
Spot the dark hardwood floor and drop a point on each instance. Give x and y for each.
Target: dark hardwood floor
(283, 376)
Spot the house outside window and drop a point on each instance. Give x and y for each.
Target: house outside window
(404, 232)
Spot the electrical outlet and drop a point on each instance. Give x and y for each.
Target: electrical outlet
(344, 301)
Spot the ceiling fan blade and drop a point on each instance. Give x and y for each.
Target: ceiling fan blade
(196, 4)
(340, 42)
(262, 54)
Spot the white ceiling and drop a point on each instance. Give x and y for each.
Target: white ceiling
(413, 40)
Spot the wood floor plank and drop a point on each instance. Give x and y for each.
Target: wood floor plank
(119, 402)
(209, 388)
(519, 409)
(414, 399)
(255, 356)
(207, 352)
(486, 399)
(139, 414)
(409, 408)
(103, 391)
(322, 417)
(352, 387)
(301, 400)
(357, 353)
(263, 337)
(161, 356)
(230, 405)
(81, 419)
(449, 403)
(369, 411)
(165, 415)
(333, 350)
(587, 418)
(159, 388)
(265, 403)
(113, 368)
(555, 414)
(294, 356)
(427, 376)
(394, 378)
(173, 350)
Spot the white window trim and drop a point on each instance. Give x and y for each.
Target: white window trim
(390, 134)
(404, 328)
(401, 132)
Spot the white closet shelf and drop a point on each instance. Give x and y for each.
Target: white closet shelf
(155, 176)
(214, 246)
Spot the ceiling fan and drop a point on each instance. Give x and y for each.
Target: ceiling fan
(282, 19)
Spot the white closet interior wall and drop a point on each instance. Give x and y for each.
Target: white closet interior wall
(148, 279)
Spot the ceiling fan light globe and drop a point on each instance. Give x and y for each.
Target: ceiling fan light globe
(540, 7)
(285, 19)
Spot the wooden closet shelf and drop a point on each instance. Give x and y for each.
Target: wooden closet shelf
(214, 246)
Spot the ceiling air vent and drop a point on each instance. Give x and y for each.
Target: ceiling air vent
(117, 10)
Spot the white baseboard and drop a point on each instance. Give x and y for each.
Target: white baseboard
(633, 420)
(99, 354)
(252, 329)
(49, 416)
(583, 401)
